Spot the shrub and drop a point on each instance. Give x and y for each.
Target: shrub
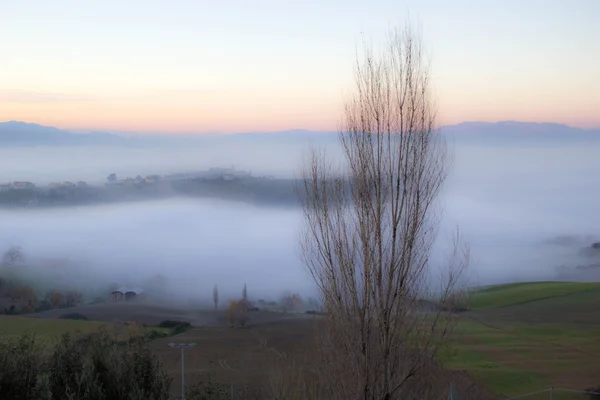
(56, 299)
(75, 316)
(85, 367)
(237, 313)
(94, 367)
(21, 367)
(175, 326)
(153, 334)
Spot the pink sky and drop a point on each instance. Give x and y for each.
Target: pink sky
(238, 66)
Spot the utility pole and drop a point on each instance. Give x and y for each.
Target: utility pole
(182, 346)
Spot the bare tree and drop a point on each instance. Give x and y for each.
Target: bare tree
(370, 227)
(13, 255)
(216, 296)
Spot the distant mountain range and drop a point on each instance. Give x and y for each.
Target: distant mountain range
(14, 133)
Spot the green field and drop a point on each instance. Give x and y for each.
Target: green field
(47, 329)
(525, 337)
(517, 339)
(519, 293)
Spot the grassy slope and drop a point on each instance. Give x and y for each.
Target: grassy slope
(518, 293)
(523, 337)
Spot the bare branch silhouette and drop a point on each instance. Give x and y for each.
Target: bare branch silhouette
(370, 227)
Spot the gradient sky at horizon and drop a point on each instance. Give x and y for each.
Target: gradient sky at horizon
(234, 66)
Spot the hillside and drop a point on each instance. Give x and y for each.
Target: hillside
(527, 337)
(526, 292)
(15, 133)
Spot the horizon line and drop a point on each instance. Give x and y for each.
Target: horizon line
(217, 133)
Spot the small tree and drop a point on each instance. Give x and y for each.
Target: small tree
(13, 255)
(73, 298)
(28, 297)
(216, 296)
(56, 299)
(232, 312)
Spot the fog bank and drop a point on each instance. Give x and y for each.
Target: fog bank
(529, 213)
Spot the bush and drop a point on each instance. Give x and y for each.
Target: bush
(86, 367)
(153, 334)
(75, 316)
(21, 367)
(176, 326)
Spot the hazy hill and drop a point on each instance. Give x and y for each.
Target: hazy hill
(523, 132)
(14, 133)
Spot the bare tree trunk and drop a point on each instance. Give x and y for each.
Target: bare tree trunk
(370, 227)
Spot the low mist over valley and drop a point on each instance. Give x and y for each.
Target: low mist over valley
(528, 209)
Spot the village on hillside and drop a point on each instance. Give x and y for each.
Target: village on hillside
(216, 182)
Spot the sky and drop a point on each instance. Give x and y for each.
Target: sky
(238, 66)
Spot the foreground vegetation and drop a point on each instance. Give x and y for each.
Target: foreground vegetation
(498, 346)
(91, 366)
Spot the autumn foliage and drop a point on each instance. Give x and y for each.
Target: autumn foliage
(237, 312)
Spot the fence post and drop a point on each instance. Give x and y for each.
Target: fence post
(551, 392)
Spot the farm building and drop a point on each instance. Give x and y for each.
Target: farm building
(126, 294)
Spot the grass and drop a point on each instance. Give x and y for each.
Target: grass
(501, 378)
(14, 326)
(520, 360)
(46, 329)
(548, 338)
(519, 293)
